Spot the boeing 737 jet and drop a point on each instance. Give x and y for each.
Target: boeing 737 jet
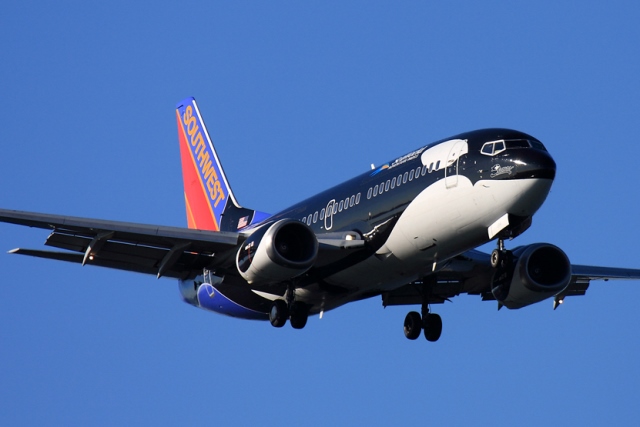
(405, 232)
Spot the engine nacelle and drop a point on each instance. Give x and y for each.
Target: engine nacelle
(537, 272)
(277, 252)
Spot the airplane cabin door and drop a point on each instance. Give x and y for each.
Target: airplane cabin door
(328, 215)
(459, 148)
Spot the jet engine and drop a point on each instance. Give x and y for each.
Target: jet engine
(531, 274)
(277, 252)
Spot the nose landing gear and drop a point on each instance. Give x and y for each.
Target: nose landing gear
(500, 257)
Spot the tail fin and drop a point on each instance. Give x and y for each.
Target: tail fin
(209, 200)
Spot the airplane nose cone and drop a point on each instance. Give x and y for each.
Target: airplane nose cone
(534, 164)
(541, 165)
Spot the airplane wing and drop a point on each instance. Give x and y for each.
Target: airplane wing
(471, 273)
(582, 275)
(160, 250)
(151, 249)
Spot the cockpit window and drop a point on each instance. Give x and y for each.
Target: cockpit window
(487, 149)
(517, 143)
(492, 148)
(537, 144)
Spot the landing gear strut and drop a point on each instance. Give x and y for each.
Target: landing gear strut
(297, 312)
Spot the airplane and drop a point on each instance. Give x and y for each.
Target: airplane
(406, 231)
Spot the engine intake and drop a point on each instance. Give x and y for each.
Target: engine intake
(537, 272)
(277, 252)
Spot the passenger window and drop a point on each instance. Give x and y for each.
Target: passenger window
(386, 185)
(322, 215)
(424, 170)
(335, 208)
(341, 206)
(404, 177)
(417, 172)
(346, 203)
(352, 201)
(411, 175)
(369, 193)
(438, 165)
(431, 167)
(399, 180)
(357, 198)
(393, 183)
(375, 191)
(309, 219)
(381, 188)
(315, 217)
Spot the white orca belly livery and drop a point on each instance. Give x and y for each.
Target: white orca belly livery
(443, 222)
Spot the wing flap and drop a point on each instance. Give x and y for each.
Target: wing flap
(58, 256)
(102, 262)
(187, 262)
(115, 250)
(577, 287)
(68, 242)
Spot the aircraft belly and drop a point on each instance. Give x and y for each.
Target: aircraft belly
(374, 273)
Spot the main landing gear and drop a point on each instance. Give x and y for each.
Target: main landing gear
(430, 323)
(297, 312)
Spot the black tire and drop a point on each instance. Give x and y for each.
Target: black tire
(299, 315)
(279, 313)
(412, 325)
(432, 327)
(496, 258)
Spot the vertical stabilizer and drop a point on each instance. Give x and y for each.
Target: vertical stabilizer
(209, 200)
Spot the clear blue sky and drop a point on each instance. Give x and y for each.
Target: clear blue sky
(299, 96)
